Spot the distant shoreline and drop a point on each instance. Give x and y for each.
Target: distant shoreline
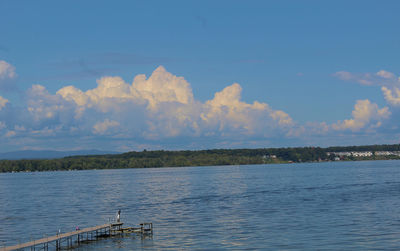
(277, 163)
(215, 157)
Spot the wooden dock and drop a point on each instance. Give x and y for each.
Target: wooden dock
(73, 239)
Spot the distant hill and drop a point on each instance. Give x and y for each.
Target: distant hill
(43, 154)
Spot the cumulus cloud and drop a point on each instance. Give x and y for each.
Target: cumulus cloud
(3, 102)
(392, 96)
(149, 109)
(170, 108)
(72, 93)
(111, 92)
(44, 106)
(365, 114)
(7, 71)
(228, 111)
(161, 87)
(102, 127)
(7, 76)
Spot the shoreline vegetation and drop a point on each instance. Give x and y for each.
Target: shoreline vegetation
(216, 157)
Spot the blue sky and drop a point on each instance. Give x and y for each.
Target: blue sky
(219, 74)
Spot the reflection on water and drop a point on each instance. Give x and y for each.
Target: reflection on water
(345, 205)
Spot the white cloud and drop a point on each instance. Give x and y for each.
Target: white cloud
(365, 114)
(364, 79)
(228, 111)
(380, 78)
(110, 87)
(7, 71)
(389, 82)
(3, 102)
(161, 87)
(344, 75)
(170, 109)
(386, 74)
(72, 93)
(42, 105)
(392, 96)
(282, 117)
(103, 127)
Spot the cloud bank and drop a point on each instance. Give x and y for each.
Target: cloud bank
(161, 111)
(160, 107)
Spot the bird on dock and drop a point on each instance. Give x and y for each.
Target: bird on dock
(119, 216)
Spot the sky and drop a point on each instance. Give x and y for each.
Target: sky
(133, 75)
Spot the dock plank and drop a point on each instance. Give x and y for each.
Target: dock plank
(58, 237)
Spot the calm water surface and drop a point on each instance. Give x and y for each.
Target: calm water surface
(318, 206)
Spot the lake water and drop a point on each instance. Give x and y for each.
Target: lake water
(314, 206)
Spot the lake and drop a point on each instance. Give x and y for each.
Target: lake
(311, 206)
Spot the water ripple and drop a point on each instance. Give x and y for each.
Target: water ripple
(328, 206)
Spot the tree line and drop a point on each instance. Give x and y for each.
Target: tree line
(215, 157)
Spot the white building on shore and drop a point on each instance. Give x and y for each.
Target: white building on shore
(365, 154)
